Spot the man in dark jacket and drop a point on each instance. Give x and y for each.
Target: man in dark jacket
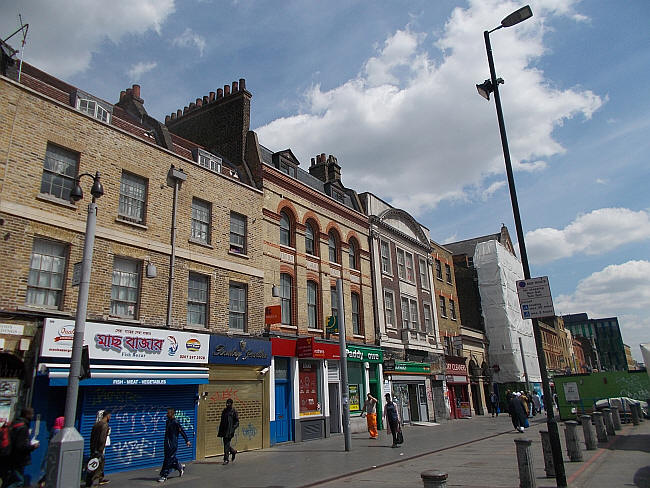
(517, 413)
(98, 437)
(227, 427)
(172, 429)
(21, 447)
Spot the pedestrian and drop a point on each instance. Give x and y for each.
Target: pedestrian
(391, 419)
(517, 412)
(227, 427)
(524, 401)
(494, 401)
(537, 403)
(21, 448)
(98, 437)
(370, 409)
(172, 429)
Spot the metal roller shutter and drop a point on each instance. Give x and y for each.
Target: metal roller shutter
(138, 422)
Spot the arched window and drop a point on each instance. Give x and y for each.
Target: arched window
(285, 298)
(332, 244)
(285, 229)
(353, 254)
(309, 239)
(356, 322)
(312, 305)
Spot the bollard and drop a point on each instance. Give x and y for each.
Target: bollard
(609, 423)
(635, 414)
(616, 419)
(549, 467)
(601, 432)
(589, 433)
(638, 409)
(525, 463)
(572, 442)
(434, 479)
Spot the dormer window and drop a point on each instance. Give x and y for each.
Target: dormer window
(210, 162)
(288, 169)
(94, 109)
(337, 195)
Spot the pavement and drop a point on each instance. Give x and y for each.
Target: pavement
(476, 453)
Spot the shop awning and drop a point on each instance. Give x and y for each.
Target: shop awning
(128, 375)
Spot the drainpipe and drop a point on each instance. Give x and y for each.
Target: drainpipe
(174, 179)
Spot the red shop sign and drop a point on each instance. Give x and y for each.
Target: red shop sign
(307, 348)
(456, 369)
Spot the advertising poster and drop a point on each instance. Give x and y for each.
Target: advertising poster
(308, 392)
(355, 403)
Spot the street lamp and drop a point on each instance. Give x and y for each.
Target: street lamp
(65, 454)
(484, 89)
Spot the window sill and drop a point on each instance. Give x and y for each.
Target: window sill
(387, 275)
(358, 336)
(199, 243)
(239, 255)
(196, 328)
(133, 224)
(284, 247)
(319, 331)
(45, 310)
(123, 320)
(404, 280)
(232, 332)
(439, 279)
(449, 283)
(57, 201)
(287, 326)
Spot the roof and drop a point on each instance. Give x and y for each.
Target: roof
(468, 246)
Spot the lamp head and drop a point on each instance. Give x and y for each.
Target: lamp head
(517, 16)
(484, 89)
(77, 193)
(97, 190)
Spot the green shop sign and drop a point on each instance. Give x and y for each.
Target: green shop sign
(412, 367)
(364, 354)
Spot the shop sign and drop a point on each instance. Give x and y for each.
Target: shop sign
(367, 355)
(228, 350)
(273, 315)
(456, 368)
(125, 343)
(11, 329)
(355, 400)
(412, 367)
(9, 388)
(308, 348)
(465, 410)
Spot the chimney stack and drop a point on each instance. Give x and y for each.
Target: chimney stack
(226, 90)
(235, 87)
(136, 91)
(242, 84)
(219, 93)
(212, 95)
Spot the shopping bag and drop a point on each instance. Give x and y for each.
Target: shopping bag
(400, 437)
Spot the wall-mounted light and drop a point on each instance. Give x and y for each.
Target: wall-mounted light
(275, 291)
(152, 272)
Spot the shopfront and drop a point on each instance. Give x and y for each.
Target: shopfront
(364, 376)
(239, 370)
(409, 383)
(136, 373)
(457, 387)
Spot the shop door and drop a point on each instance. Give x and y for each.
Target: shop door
(414, 405)
(282, 417)
(452, 402)
(422, 402)
(401, 394)
(335, 410)
(138, 421)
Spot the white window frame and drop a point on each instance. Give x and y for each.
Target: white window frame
(356, 318)
(285, 229)
(438, 269)
(60, 167)
(201, 220)
(389, 311)
(386, 265)
(197, 298)
(46, 280)
(210, 163)
(121, 275)
(286, 300)
(401, 264)
(334, 299)
(309, 238)
(238, 245)
(452, 309)
(97, 111)
(237, 308)
(410, 313)
(448, 273)
(312, 304)
(133, 199)
(332, 239)
(428, 323)
(424, 274)
(443, 306)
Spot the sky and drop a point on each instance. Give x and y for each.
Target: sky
(389, 89)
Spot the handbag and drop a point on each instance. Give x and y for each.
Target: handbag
(400, 437)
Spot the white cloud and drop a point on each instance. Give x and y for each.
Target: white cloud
(412, 128)
(601, 181)
(621, 291)
(80, 28)
(594, 233)
(190, 38)
(490, 190)
(137, 70)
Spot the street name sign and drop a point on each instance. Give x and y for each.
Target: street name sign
(535, 298)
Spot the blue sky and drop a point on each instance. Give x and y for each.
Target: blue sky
(388, 88)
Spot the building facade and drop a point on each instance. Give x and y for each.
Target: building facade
(605, 336)
(557, 344)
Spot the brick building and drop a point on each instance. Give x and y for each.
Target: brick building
(557, 344)
(213, 264)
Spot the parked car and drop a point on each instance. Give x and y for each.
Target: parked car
(624, 401)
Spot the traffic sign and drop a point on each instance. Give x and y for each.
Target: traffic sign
(535, 298)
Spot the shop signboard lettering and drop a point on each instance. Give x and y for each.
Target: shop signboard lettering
(412, 367)
(363, 354)
(228, 350)
(456, 369)
(125, 343)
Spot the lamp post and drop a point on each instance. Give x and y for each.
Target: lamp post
(66, 448)
(484, 89)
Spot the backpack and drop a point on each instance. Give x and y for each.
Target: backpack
(5, 440)
(391, 413)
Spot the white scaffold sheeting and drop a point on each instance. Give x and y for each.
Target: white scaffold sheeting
(645, 351)
(498, 272)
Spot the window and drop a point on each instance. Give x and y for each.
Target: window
(401, 270)
(285, 229)
(356, 323)
(197, 300)
(443, 306)
(405, 265)
(288, 169)
(93, 109)
(285, 298)
(405, 313)
(338, 196)
(201, 218)
(389, 308)
(410, 274)
(428, 326)
(211, 163)
(414, 314)
(448, 272)
(237, 233)
(353, 255)
(438, 269)
(452, 309)
(309, 239)
(125, 286)
(237, 307)
(334, 297)
(385, 257)
(409, 313)
(333, 248)
(59, 172)
(312, 305)
(133, 196)
(424, 274)
(46, 274)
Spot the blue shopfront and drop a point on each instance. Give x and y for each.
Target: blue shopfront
(136, 373)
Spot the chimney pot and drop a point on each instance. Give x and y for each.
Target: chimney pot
(192, 106)
(313, 161)
(212, 95)
(322, 157)
(206, 100)
(185, 110)
(226, 90)
(235, 87)
(179, 113)
(219, 92)
(136, 91)
(167, 117)
(122, 94)
(199, 102)
(129, 91)
(173, 116)
(242, 84)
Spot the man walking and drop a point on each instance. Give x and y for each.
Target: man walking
(227, 427)
(21, 448)
(97, 445)
(494, 401)
(172, 429)
(391, 417)
(370, 408)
